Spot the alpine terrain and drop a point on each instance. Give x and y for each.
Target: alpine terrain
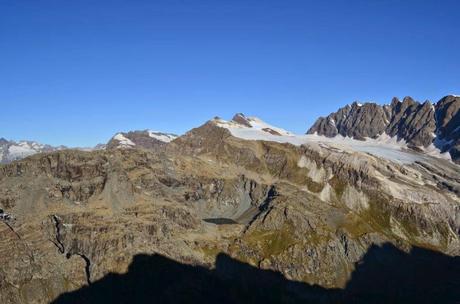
(11, 150)
(364, 208)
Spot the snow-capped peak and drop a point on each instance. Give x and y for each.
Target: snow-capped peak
(164, 137)
(146, 139)
(254, 125)
(12, 150)
(384, 146)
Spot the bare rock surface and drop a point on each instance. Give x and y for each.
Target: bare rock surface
(418, 124)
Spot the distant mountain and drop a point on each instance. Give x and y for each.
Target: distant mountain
(11, 150)
(147, 139)
(420, 125)
(254, 124)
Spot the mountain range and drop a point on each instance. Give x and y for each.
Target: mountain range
(11, 150)
(422, 127)
(365, 208)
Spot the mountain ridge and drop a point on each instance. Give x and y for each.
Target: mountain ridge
(147, 139)
(420, 125)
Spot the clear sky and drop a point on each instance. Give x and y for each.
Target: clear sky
(76, 72)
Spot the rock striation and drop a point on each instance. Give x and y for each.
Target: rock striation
(420, 125)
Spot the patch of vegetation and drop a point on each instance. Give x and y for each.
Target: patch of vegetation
(377, 215)
(271, 242)
(316, 239)
(313, 186)
(338, 185)
(382, 219)
(356, 226)
(210, 251)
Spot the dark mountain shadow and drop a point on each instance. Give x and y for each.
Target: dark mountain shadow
(385, 275)
(389, 275)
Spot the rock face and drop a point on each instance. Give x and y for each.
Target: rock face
(214, 217)
(11, 150)
(448, 125)
(146, 139)
(420, 125)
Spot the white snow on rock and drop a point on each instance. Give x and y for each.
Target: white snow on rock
(21, 150)
(124, 142)
(435, 152)
(384, 146)
(258, 128)
(11, 150)
(164, 137)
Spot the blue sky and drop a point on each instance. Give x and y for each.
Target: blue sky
(76, 72)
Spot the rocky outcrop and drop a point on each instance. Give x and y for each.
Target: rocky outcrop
(358, 121)
(418, 124)
(448, 125)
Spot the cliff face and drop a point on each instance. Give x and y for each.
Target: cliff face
(420, 125)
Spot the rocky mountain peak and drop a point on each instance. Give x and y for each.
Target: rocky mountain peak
(146, 139)
(241, 119)
(420, 125)
(394, 102)
(250, 125)
(409, 101)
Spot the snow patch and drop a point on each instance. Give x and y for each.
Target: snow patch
(435, 152)
(164, 137)
(258, 126)
(20, 151)
(123, 141)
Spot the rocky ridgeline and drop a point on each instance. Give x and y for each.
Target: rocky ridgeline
(419, 124)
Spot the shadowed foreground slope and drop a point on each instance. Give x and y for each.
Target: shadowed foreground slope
(385, 275)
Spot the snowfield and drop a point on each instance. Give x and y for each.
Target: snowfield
(385, 147)
(164, 137)
(11, 150)
(123, 141)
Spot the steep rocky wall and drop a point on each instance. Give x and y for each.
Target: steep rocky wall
(418, 124)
